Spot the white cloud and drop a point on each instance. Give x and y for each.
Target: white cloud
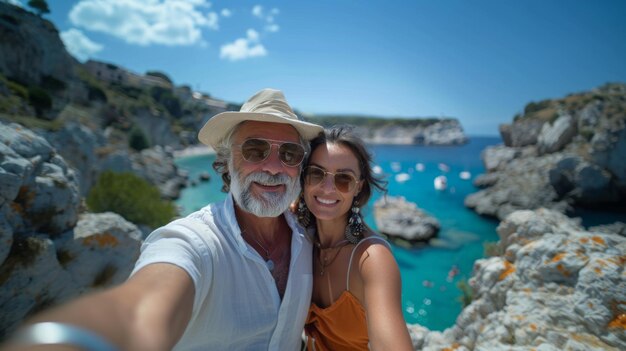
(257, 11)
(79, 45)
(145, 22)
(226, 13)
(272, 28)
(243, 48)
(252, 34)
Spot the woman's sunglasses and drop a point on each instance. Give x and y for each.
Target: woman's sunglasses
(256, 150)
(344, 182)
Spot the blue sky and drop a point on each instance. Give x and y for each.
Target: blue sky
(478, 61)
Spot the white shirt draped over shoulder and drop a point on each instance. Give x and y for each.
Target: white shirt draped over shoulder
(236, 304)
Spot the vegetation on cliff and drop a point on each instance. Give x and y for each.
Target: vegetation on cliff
(131, 197)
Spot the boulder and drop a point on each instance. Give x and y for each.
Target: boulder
(495, 157)
(505, 134)
(555, 136)
(525, 132)
(78, 145)
(583, 182)
(36, 183)
(404, 221)
(609, 152)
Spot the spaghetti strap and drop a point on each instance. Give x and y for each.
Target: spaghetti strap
(352, 255)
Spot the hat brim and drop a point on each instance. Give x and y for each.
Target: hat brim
(216, 128)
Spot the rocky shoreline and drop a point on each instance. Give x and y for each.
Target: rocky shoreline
(556, 286)
(573, 159)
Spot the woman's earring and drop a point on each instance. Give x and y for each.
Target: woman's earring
(304, 215)
(354, 229)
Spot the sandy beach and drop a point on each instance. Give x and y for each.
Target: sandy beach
(195, 150)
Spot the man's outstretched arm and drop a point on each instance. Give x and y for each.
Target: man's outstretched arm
(150, 311)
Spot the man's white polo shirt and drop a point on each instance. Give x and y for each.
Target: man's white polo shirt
(236, 305)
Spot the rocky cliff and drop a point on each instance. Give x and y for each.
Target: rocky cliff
(51, 249)
(88, 121)
(560, 154)
(31, 48)
(556, 286)
(418, 131)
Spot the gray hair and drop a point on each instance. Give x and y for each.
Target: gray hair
(224, 154)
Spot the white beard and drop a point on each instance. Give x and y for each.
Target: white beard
(270, 204)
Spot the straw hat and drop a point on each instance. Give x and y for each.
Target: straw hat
(268, 105)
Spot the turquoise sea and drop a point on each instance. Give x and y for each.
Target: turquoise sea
(429, 296)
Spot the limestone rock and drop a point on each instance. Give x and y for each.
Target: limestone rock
(495, 157)
(525, 132)
(101, 250)
(554, 137)
(48, 254)
(46, 192)
(31, 279)
(584, 182)
(31, 47)
(78, 145)
(556, 287)
(400, 219)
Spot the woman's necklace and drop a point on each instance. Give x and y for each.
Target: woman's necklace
(268, 262)
(325, 262)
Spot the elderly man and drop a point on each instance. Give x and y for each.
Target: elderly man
(235, 275)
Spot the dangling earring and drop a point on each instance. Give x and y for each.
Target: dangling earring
(354, 229)
(304, 215)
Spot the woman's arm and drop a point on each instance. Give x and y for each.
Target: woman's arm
(382, 294)
(150, 311)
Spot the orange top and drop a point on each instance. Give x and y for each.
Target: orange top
(340, 326)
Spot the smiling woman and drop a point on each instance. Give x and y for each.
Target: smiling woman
(356, 285)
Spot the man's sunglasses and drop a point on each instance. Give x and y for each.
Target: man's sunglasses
(344, 182)
(256, 150)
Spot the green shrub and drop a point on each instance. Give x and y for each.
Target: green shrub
(52, 84)
(166, 98)
(466, 292)
(137, 139)
(18, 89)
(131, 197)
(95, 93)
(492, 249)
(159, 75)
(39, 99)
(537, 106)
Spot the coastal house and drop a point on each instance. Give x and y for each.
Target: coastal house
(114, 74)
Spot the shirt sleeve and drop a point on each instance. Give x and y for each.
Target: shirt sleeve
(181, 246)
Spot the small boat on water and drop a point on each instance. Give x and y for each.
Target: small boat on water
(465, 175)
(419, 167)
(402, 177)
(443, 167)
(441, 183)
(395, 166)
(377, 169)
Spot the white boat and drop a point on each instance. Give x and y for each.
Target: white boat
(444, 167)
(402, 177)
(395, 166)
(419, 167)
(465, 175)
(377, 169)
(441, 183)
